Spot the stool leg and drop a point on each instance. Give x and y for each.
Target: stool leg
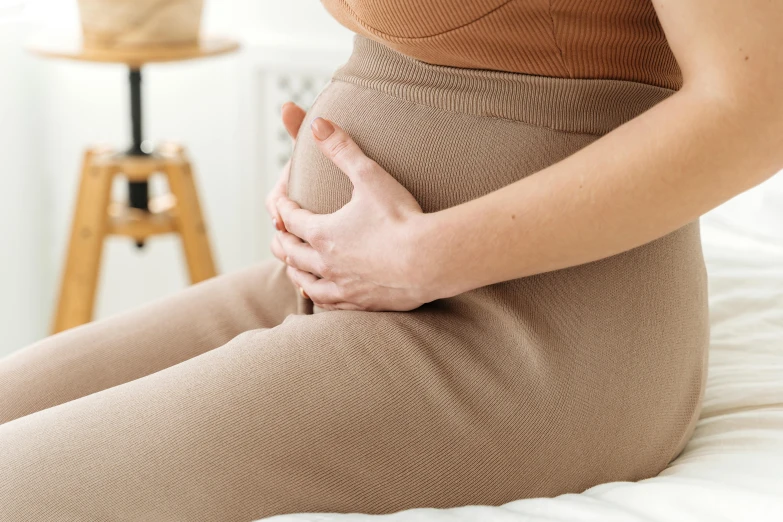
(82, 268)
(190, 221)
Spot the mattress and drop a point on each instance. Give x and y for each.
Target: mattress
(732, 468)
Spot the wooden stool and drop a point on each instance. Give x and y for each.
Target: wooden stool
(96, 216)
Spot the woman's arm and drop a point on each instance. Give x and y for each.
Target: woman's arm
(717, 137)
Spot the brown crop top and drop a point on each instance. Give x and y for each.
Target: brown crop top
(616, 39)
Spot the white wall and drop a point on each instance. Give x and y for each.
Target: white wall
(22, 209)
(50, 110)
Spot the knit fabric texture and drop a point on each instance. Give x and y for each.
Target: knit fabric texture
(222, 404)
(607, 359)
(611, 39)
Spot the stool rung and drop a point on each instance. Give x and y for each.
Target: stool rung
(140, 225)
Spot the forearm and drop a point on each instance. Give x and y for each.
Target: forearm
(717, 137)
(641, 181)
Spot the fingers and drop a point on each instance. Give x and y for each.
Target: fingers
(277, 248)
(320, 291)
(293, 116)
(271, 208)
(300, 222)
(300, 255)
(336, 145)
(305, 271)
(280, 189)
(342, 306)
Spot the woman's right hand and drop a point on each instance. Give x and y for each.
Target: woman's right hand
(292, 116)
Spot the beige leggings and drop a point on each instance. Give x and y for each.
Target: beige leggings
(161, 413)
(216, 404)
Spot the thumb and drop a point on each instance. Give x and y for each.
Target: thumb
(292, 116)
(336, 145)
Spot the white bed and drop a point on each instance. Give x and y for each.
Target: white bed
(732, 469)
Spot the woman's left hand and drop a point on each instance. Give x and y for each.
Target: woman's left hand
(364, 256)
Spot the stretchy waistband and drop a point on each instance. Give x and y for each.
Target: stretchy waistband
(592, 106)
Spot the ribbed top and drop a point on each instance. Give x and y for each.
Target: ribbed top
(585, 106)
(611, 39)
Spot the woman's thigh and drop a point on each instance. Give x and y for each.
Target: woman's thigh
(337, 412)
(122, 348)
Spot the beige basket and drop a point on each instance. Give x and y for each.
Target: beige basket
(140, 23)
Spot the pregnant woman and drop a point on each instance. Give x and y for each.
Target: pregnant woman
(491, 224)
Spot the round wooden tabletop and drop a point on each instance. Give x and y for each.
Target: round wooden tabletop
(71, 47)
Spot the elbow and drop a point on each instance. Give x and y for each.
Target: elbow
(748, 94)
(745, 114)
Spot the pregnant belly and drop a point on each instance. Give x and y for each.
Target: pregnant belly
(451, 135)
(442, 157)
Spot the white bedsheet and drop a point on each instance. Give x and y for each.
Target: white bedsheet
(732, 469)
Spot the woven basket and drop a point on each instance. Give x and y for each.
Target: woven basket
(140, 23)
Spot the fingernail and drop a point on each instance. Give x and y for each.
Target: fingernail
(322, 128)
(279, 225)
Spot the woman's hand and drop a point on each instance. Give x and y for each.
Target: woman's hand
(716, 137)
(364, 256)
(292, 116)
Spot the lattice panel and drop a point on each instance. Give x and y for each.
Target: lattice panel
(300, 88)
(280, 74)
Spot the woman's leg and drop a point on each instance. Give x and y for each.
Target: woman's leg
(338, 411)
(119, 349)
(345, 412)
